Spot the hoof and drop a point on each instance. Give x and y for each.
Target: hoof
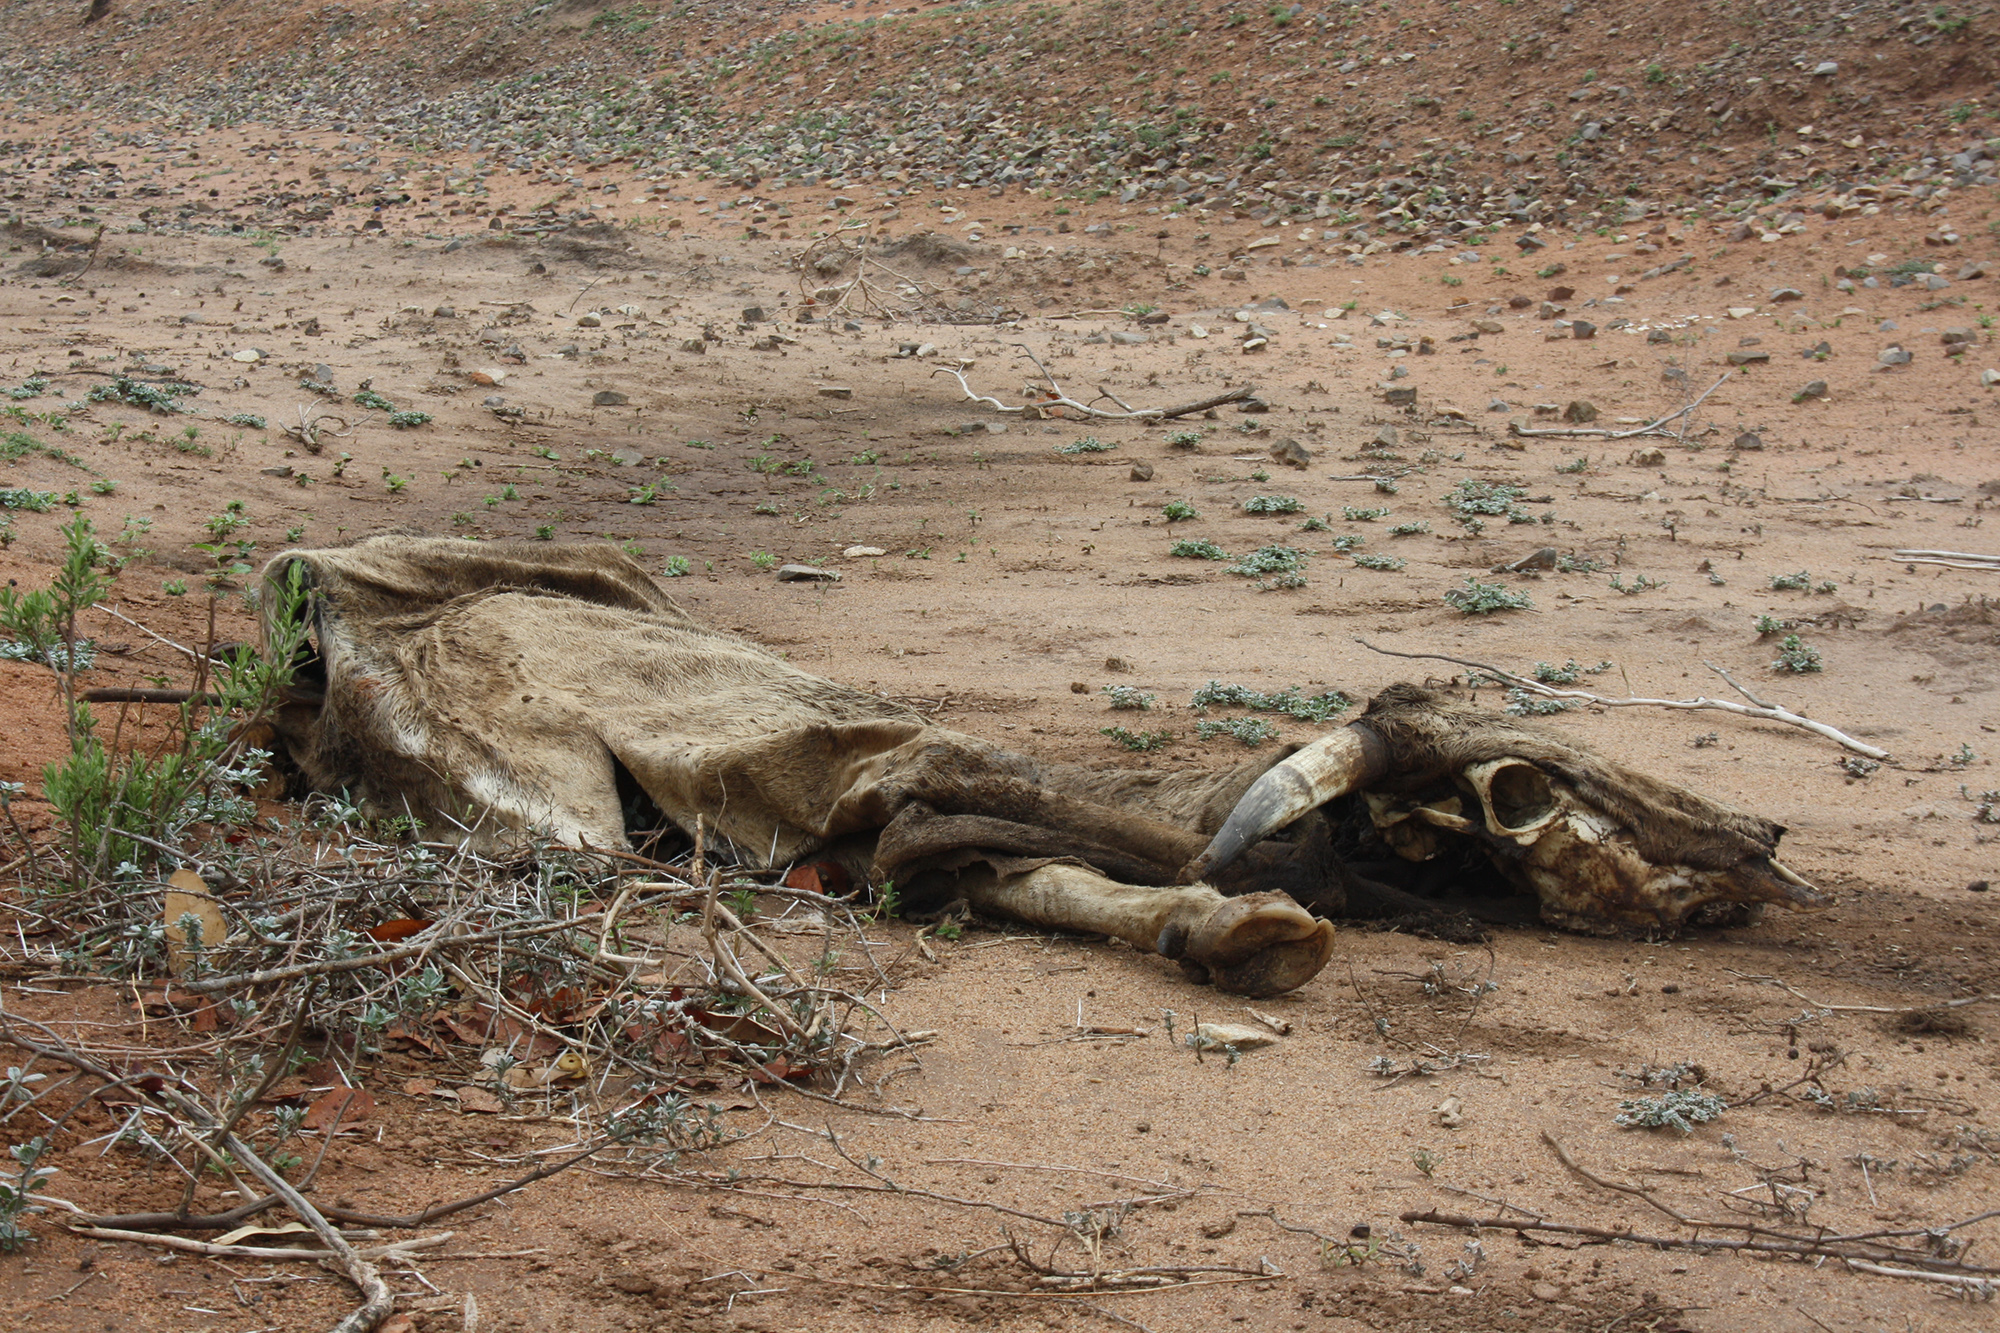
(1261, 944)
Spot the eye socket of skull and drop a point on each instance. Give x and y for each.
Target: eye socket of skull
(1517, 797)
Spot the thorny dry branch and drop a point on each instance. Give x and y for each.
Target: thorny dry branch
(1059, 398)
(1604, 432)
(1767, 712)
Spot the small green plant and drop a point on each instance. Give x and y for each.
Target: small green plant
(409, 418)
(1270, 560)
(15, 1201)
(1797, 656)
(1382, 562)
(1525, 703)
(1138, 740)
(1681, 1109)
(1315, 525)
(1799, 582)
(368, 398)
(1636, 586)
(1179, 511)
(1575, 465)
(103, 486)
(647, 494)
(1426, 1162)
(1353, 515)
(677, 567)
(545, 532)
(763, 559)
(1479, 599)
(1247, 730)
(1569, 673)
(1273, 504)
(1197, 550)
(393, 482)
(1416, 529)
(1291, 701)
(1471, 500)
(1184, 439)
(544, 451)
(1125, 696)
(161, 398)
(1577, 564)
(1089, 444)
(1965, 756)
(247, 419)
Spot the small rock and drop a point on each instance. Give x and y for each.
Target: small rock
(770, 342)
(1400, 397)
(281, 470)
(807, 574)
(608, 398)
(1253, 406)
(1550, 310)
(1780, 295)
(753, 314)
(1121, 338)
(1530, 243)
(1291, 453)
(1497, 405)
(1971, 271)
(1989, 378)
(1894, 356)
(1142, 472)
(1748, 440)
(1742, 358)
(1561, 293)
(1959, 338)
(249, 356)
(1242, 1037)
(1819, 351)
(592, 320)
(488, 378)
(1450, 1112)
(1488, 326)
(1255, 345)
(1582, 329)
(840, 391)
(1385, 437)
(1935, 282)
(1826, 69)
(1813, 389)
(1580, 412)
(696, 346)
(444, 312)
(863, 552)
(1658, 336)
(1542, 559)
(1197, 331)
(1549, 1291)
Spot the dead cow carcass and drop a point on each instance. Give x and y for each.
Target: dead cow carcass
(501, 689)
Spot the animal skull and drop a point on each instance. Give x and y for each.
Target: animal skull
(1603, 849)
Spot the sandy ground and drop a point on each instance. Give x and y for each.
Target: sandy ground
(1015, 583)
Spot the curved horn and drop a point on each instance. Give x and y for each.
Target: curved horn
(1331, 766)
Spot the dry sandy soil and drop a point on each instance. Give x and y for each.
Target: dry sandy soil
(1015, 582)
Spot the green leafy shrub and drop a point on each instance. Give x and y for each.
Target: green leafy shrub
(1478, 599)
(1198, 550)
(1270, 560)
(1248, 730)
(1384, 562)
(409, 417)
(1089, 444)
(1354, 515)
(1292, 701)
(1137, 740)
(1125, 696)
(1681, 1109)
(1797, 656)
(372, 400)
(161, 398)
(1179, 511)
(249, 419)
(1416, 529)
(1273, 504)
(677, 567)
